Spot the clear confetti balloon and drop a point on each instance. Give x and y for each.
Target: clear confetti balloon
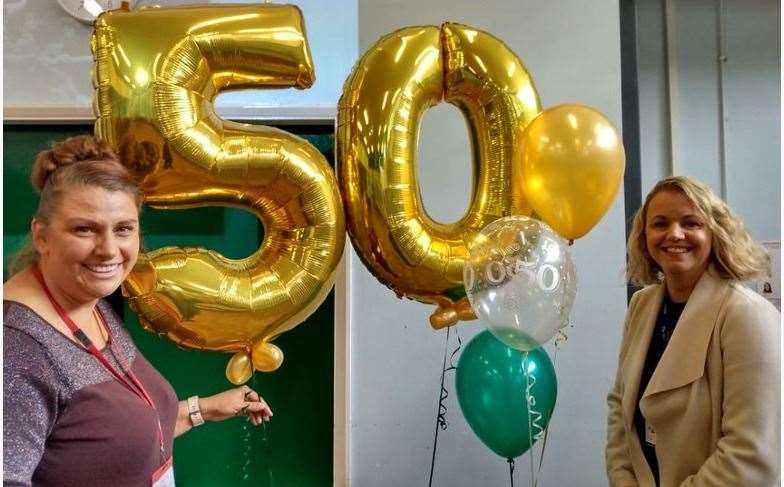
(521, 281)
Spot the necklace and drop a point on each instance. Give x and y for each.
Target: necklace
(665, 333)
(670, 315)
(98, 323)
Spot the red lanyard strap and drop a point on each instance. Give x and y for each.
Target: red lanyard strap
(127, 378)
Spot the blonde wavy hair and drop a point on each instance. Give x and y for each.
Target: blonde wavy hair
(734, 254)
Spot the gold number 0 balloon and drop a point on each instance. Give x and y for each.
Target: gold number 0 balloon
(379, 114)
(156, 74)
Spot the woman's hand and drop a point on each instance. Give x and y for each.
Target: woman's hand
(240, 401)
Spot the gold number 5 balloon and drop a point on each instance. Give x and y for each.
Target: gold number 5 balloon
(156, 74)
(379, 114)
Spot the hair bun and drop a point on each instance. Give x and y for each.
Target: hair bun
(69, 151)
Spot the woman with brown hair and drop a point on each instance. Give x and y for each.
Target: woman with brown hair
(81, 406)
(696, 396)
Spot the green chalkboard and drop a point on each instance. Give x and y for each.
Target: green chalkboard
(295, 448)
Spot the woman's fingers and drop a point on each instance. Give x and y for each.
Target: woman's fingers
(250, 395)
(240, 401)
(255, 407)
(261, 408)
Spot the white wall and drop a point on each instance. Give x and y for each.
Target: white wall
(47, 59)
(753, 111)
(572, 50)
(752, 102)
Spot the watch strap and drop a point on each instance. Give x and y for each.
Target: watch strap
(194, 411)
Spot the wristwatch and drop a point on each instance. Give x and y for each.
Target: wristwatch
(194, 411)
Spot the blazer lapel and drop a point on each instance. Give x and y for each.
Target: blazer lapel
(683, 361)
(635, 355)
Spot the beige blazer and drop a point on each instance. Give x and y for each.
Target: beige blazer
(713, 400)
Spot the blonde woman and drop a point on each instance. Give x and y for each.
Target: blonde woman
(696, 396)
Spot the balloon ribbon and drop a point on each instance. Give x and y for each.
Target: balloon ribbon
(511, 471)
(534, 419)
(443, 394)
(247, 448)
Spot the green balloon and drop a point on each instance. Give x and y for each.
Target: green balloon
(491, 390)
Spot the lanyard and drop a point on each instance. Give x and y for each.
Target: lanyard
(127, 377)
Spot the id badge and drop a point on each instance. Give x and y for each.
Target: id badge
(164, 475)
(650, 435)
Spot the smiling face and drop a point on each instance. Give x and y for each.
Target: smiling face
(90, 244)
(678, 238)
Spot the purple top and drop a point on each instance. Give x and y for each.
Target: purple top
(67, 421)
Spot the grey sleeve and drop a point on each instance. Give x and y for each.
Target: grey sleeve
(30, 406)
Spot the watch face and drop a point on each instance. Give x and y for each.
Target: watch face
(88, 10)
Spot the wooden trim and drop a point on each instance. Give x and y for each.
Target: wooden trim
(341, 435)
(60, 115)
(47, 115)
(342, 373)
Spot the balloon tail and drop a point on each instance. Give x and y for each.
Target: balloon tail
(247, 446)
(528, 409)
(266, 443)
(534, 416)
(561, 336)
(247, 449)
(511, 471)
(441, 423)
(267, 452)
(546, 431)
(541, 454)
(547, 428)
(534, 419)
(452, 357)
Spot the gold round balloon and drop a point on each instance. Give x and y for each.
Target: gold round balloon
(239, 370)
(379, 116)
(572, 162)
(156, 74)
